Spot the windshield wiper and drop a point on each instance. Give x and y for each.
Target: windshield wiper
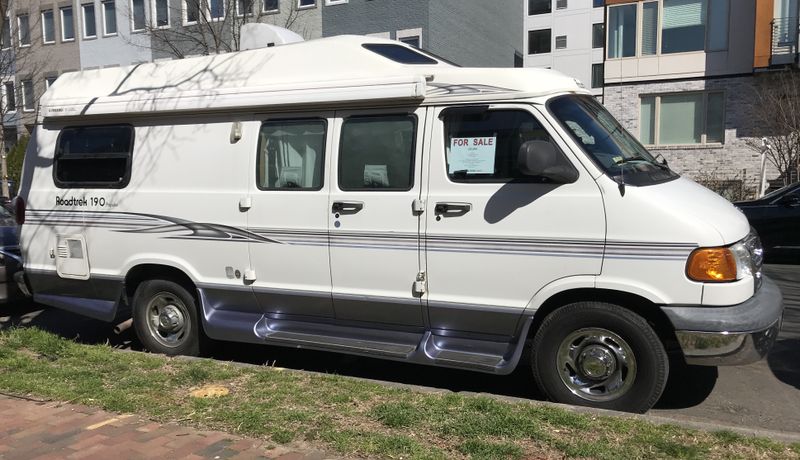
(655, 163)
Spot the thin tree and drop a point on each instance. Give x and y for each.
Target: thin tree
(776, 117)
(21, 60)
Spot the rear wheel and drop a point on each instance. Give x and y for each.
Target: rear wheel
(599, 355)
(165, 318)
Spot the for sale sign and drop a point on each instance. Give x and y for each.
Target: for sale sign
(472, 155)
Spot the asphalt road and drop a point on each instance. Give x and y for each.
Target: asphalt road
(761, 395)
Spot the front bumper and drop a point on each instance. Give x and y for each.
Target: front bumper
(732, 335)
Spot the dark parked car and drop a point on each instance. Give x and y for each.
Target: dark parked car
(776, 218)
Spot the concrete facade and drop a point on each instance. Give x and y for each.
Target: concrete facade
(575, 22)
(112, 49)
(472, 33)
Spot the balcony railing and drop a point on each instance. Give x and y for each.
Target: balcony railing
(785, 37)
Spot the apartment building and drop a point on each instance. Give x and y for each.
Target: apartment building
(475, 33)
(568, 36)
(681, 75)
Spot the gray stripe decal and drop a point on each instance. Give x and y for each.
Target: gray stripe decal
(174, 228)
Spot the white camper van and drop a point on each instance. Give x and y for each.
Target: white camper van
(354, 194)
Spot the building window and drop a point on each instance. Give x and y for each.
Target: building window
(377, 153)
(5, 38)
(89, 21)
(48, 81)
(28, 103)
(306, 3)
(192, 11)
(94, 157)
(597, 76)
(10, 97)
(683, 27)
(518, 60)
(48, 26)
(598, 35)
(561, 4)
(622, 31)
(598, 3)
(561, 42)
(718, 18)
(539, 41)
(109, 18)
(23, 30)
(411, 41)
(138, 17)
(291, 155)
(683, 119)
(335, 2)
(67, 24)
(244, 8)
(216, 9)
(649, 28)
(539, 7)
(161, 8)
(270, 6)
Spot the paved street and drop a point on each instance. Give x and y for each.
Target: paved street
(762, 395)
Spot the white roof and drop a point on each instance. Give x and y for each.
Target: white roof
(323, 71)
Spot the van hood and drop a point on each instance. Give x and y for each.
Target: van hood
(679, 211)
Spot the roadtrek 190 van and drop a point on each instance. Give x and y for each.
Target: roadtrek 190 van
(354, 194)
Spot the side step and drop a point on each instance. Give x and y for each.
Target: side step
(387, 344)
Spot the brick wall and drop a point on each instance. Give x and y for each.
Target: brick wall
(733, 160)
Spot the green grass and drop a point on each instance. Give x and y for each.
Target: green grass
(348, 416)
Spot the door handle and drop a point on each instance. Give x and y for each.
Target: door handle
(452, 209)
(347, 207)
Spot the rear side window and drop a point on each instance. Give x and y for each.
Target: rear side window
(399, 53)
(377, 153)
(291, 155)
(94, 157)
(483, 145)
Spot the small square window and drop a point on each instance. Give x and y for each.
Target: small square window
(270, 6)
(598, 35)
(539, 7)
(597, 76)
(306, 3)
(561, 42)
(89, 21)
(23, 30)
(539, 41)
(48, 26)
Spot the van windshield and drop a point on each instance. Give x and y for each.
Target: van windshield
(604, 139)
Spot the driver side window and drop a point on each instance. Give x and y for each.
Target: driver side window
(484, 146)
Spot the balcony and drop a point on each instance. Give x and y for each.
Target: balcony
(785, 37)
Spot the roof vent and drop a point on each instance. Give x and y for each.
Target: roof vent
(256, 35)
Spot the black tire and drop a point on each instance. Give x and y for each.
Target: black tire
(602, 336)
(181, 309)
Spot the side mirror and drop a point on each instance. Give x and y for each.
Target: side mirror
(543, 159)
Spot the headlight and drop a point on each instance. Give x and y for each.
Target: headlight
(730, 263)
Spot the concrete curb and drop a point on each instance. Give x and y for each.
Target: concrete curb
(684, 422)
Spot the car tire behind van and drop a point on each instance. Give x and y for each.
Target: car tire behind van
(600, 355)
(165, 318)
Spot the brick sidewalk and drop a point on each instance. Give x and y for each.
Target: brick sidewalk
(52, 430)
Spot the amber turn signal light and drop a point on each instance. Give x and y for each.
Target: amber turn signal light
(711, 264)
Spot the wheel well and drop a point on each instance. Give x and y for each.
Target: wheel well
(636, 304)
(144, 272)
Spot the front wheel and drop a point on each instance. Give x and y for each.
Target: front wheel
(599, 355)
(165, 318)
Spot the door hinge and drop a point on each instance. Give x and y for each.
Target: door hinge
(418, 206)
(420, 283)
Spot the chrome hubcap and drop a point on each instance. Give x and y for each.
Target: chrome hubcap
(168, 319)
(596, 364)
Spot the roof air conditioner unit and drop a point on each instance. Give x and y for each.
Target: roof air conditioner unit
(256, 35)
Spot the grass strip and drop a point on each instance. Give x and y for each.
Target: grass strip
(349, 416)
